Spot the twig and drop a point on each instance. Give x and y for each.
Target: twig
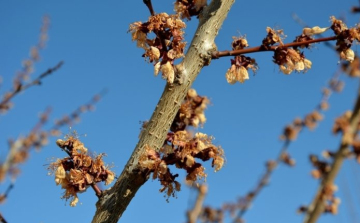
(271, 165)
(303, 24)
(20, 87)
(316, 208)
(193, 214)
(150, 7)
(218, 54)
(2, 219)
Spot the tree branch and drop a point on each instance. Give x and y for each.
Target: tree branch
(114, 201)
(317, 206)
(217, 54)
(20, 87)
(194, 213)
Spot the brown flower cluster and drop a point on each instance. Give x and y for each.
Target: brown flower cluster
(188, 8)
(345, 38)
(321, 167)
(273, 37)
(167, 46)
(79, 170)
(240, 65)
(290, 60)
(342, 125)
(286, 159)
(331, 202)
(191, 112)
(211, 215)
(310, 121)
(181, 148)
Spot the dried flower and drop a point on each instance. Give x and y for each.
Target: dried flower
(79, 170)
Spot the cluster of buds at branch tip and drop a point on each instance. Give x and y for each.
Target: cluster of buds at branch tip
(191, 112)
(321, 167)
(326, 195)
(79, 170)
(182, 148)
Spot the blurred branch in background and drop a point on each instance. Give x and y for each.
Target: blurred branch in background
(195, 212)
(21, 79)
(5, 104)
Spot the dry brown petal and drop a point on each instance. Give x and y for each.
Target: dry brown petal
(60, 174)
(168, 72)
(110, 177)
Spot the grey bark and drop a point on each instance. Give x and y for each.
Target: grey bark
(114, 201)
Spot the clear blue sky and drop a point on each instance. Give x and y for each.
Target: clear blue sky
(246, 120)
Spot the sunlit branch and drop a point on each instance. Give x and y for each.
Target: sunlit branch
(218, 54)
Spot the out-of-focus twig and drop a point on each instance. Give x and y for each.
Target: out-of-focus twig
(5, 105)
(2, 219)
(317, 206)
(194, 213)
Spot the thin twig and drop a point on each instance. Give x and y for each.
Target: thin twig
(20, 87)
(193, 214)
(218, 54)
(304, 24)
(150, 7)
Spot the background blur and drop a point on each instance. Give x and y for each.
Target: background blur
(246, 120)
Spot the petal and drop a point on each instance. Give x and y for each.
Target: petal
(314, 31)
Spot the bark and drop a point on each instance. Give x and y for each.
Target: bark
(114, 201)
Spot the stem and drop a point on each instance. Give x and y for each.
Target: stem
(193, 214)
(150, 7)
(97, 190)
(217, 54)
(316, 208)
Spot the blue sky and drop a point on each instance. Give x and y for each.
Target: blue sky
(246, 120)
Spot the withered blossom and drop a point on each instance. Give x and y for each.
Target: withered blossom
(79, 170)
(238, 71)
(167, 46)
(182, 148)
(290, 60)
(188, 8)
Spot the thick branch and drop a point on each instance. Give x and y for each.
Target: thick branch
(318, 204)
(114, 201)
